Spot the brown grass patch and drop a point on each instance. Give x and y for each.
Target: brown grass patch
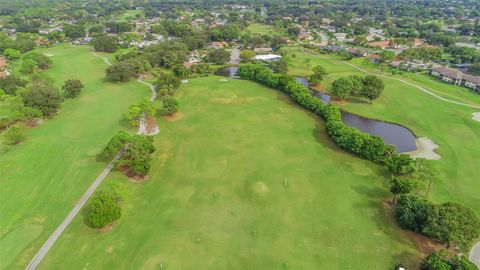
(174, 117)
(134, 178)
(317, 87)
(107, 228)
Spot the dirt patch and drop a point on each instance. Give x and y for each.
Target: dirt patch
(260, 188)
(425, 149)
(31, 123)
(134, 178)
(109, 249)
(476, 116)
(174, 117)
(107, 228)
(152, 127)
(425, 245)
(317, 87)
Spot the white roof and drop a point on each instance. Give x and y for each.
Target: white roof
(267, 57)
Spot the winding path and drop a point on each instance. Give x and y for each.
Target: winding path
(406, 82)
(78, 206)
(474, 256)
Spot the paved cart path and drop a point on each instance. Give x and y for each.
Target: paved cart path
(475, 254)
(76, 209)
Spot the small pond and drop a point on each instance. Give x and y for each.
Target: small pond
(227, 72)
(399, 136)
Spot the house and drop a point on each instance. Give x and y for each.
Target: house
(264, 50)
(304, 36)
(381, 44)
(417, 42)
(267, 57)
(335, 48)
(408, 66)
(357, 52)
(375, 58)
(340, 36)
(216, 44)
(456, 77)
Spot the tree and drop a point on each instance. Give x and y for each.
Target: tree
(435, 261)
(167, 81)
(44, 97)
(15, 134)
(103, 210)
(387, 56)
(28, 66)
(218, 56)
(399, 185)
(121, 71)
(452, 223)
(136, 111)
(401, 164)
(171, 105)
(475, 69)
(372, 87)
(42, 60)
(280, 66)
(182, 71)
(341, 88)
(426, 172)
(12, 54)
(74, 31)
(72, 88)
(318, 75)
(360, 40)
(104, 43)
(247, 55)
(357, 84)
(11, 83)
(411, 212)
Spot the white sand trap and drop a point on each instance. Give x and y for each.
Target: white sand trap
(184, 81)
(48, 54)
(476, 116)
(425, 149)
(223, 80)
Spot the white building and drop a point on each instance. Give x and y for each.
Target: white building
(267, 57)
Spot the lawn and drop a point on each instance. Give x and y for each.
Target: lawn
(448, 125)
(262, 29)
(43, 177)
(243, 179)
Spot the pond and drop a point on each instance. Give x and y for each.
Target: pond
(227, 72)
(397, 135)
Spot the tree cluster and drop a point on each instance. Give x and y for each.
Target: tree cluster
(136, 158)
(103, 210)
(449, 223)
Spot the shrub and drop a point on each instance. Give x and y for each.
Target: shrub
(15, 134)
(171, 105)
(72, 88)
(411, 212)
(44, 97)
(103, 210)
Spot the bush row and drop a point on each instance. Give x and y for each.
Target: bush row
(362, 144)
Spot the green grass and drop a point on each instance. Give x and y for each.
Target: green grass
(244, 179)
(43, 177)
(262, 29)
(448, 125)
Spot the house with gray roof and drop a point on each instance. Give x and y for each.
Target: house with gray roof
(456, 77)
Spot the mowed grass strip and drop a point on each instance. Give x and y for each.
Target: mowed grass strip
(43, 177)
(448, 125)
(244, 179)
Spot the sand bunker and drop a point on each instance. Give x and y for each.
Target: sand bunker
(48, 54)
(223, 80)
(425, 149)
(184, 81)
(476, 116)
